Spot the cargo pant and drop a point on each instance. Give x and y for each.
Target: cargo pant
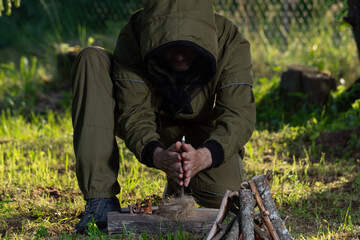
(97, 156)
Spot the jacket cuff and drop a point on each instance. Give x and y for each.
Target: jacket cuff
(217, 152)
(148, 152)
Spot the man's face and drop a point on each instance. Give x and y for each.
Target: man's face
(180, 57)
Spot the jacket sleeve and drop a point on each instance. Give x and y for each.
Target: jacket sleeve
(235, 105)
(136, 118)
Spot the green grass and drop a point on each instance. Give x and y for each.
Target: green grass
(38, 183)
(39, 196)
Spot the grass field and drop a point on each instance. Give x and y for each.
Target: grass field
(316, 185)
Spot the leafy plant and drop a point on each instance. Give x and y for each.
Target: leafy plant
(84, 40)
(27, 76)
(94, 233)
(41, 233)
(20, 86)
(8, 4)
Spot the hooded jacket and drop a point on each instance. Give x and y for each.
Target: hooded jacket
(212, 104)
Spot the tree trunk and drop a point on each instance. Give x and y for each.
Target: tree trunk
(353, 18)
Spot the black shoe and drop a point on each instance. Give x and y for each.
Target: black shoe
(96, 211)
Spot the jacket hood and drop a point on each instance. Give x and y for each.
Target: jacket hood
(191, 22)
(186, 22)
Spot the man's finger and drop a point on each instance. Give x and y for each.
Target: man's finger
(176, 180)
(187, 147)
(186, 182)
(175, 147)
(181, 182)
(186, 167)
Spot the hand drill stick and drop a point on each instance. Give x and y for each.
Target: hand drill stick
(182, 192)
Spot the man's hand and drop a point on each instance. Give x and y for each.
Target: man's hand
(194, 160)
(169, 161)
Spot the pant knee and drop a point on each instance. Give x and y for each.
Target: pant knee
(99, 52)
(92, 69)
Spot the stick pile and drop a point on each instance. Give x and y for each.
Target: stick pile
(249, 225)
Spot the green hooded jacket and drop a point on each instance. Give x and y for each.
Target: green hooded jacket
(212, 104)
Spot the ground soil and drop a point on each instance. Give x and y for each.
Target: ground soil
(341, 142)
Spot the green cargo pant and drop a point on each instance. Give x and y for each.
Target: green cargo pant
(97, 156)
(93, 111)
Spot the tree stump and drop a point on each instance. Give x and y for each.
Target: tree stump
(303, 84)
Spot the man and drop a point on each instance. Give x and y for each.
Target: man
(178, 70)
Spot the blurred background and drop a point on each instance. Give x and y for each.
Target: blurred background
(282, 32)
(40, 39)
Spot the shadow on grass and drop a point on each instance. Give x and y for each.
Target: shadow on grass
(333, 211)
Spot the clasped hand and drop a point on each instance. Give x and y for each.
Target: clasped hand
(181, 162)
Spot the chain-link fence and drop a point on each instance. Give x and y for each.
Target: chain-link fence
(281, 32)
(274, 19)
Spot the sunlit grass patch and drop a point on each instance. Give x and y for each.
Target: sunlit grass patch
(38, 186)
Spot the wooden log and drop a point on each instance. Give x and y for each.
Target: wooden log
(263, 187)
(263, 234)
(199, 222)
(247, 204)
(222, 234)
(234, 230)
(225, 206)
(219, 234)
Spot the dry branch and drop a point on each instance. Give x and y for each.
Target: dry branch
(234, 230)
(262, 233)
(261, 206)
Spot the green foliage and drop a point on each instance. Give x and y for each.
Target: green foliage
(94, 233)
(343, 10)
(19, 86)
(41, 233)
(84, 40)
(274, 112)
(8, 5)
(327, 46)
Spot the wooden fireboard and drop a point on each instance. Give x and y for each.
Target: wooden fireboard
(199, 222)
